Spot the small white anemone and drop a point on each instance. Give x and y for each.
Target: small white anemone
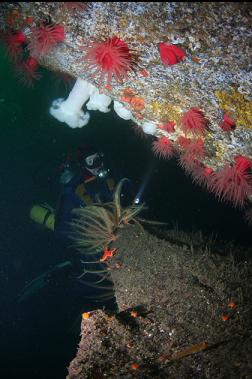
(99, 101)
(122, 111)
(70, 110)
(149, 128)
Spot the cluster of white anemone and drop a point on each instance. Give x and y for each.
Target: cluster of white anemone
(70, 110)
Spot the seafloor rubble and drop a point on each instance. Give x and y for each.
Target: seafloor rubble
(184, 312)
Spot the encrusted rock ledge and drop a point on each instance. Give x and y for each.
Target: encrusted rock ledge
(215, 75)
(182, 313)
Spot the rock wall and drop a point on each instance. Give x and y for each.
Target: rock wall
(214, 76)
(183, 312)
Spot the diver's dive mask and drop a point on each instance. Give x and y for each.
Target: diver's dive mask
(94, 161)
(94, 164)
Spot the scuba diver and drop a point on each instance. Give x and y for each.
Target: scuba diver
(84, 180)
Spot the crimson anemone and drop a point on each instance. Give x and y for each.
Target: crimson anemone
(183, 141)
(233, 183)
(111, 58)
(170, 54)
(194, 151)
(194, 121)
(169, 126)
(163, 148)
(43, 39)
(201, 174)
(227, 124)
(14, 42)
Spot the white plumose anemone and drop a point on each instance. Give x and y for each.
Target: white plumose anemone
(99, 102)
(70, 110)
(149, 128)
(122, 111)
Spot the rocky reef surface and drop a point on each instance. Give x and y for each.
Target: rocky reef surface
(184, 311)
(214, 76)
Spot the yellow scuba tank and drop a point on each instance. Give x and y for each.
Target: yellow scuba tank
(44, 215)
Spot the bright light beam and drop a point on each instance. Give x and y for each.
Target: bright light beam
(145, 181)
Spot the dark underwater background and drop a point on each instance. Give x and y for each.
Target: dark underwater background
(39, 336)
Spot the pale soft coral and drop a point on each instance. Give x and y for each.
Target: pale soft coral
(43, 39)
(233, 183)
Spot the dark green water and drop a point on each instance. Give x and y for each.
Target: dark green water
(36, 340)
